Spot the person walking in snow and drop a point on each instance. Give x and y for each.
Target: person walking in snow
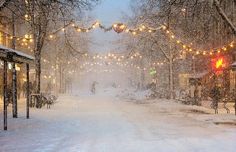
(93, 88)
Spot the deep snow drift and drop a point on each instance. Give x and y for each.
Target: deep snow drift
(108, 122)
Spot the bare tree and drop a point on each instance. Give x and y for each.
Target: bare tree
(40, 14)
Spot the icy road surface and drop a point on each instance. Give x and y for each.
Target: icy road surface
(107, 124)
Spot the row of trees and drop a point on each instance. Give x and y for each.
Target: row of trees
(41, 17)
(202, 24)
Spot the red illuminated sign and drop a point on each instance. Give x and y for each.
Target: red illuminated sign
(219, 64)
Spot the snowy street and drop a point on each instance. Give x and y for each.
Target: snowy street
(105, 124)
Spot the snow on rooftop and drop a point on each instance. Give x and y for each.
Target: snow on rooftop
(199, 75)
(234, 64)
(17, 52)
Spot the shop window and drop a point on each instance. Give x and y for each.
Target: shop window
(183, 81)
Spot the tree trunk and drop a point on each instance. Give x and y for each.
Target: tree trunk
(38, 73)
(14, 73)
(171, 82)
(224, 16)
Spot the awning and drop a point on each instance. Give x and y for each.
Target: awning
(12, 55)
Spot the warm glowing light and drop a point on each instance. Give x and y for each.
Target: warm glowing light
(122, 26)
(26, 36)
(31, 40)
(97, 23)
(115, 25)
(164, 27)
(219, 63)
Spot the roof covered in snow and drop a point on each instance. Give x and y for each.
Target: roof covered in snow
(18, 55)
(198, 75)
(234, 64)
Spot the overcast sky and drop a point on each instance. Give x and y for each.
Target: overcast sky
(108, 12)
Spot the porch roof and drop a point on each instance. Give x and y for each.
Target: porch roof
(12, 55)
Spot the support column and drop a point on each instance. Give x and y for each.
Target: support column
(27, 91)
(5, 99)
(14, 91)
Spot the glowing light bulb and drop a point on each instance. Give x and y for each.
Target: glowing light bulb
(164, 27)
(114, 25)
(26, 36)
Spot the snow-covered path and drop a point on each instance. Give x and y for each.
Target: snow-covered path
(107, 124)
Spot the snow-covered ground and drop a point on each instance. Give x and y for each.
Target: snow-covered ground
(112, 123)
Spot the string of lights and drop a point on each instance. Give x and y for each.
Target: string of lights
(193, 51)
(121, 27)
